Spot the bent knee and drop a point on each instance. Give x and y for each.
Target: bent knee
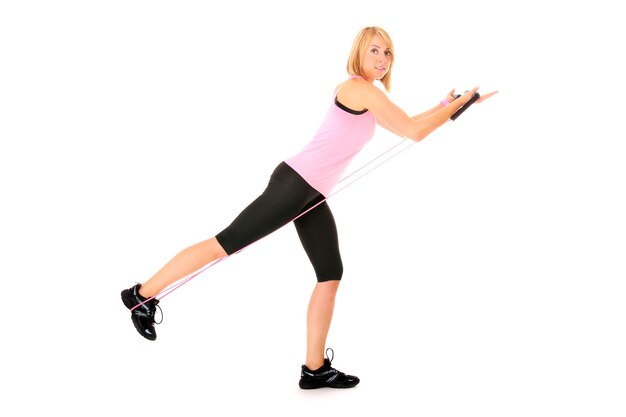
(331, 274)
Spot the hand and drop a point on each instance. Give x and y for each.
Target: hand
(451, 97)
(468, 95)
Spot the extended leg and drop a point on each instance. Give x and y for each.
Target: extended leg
(282, 200)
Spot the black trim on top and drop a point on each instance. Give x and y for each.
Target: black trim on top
(349, 110)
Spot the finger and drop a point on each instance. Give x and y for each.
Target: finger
(470, 92)
(467, 96)
(486, 96)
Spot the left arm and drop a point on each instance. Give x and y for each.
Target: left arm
(450, 97)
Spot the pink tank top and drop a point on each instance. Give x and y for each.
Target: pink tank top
(341, 136)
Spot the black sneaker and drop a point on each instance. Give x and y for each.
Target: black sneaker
(326, 376)
(143, 315)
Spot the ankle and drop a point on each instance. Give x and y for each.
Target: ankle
(314, 365)
(142, 293)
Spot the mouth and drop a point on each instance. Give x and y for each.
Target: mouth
(381, 68)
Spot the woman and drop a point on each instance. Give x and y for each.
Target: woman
(299, 185)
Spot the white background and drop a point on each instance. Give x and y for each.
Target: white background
(484, 266)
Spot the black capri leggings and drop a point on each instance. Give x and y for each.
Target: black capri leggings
(286, 196)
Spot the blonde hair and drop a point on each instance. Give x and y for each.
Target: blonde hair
(359, 49)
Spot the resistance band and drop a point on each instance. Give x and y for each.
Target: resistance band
(189, 277)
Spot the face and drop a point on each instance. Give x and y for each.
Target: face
(377, 59)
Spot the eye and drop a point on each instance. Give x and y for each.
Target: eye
(387, 53)
(374, 51)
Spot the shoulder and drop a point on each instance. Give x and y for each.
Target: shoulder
(358, 93)
(361, 87)
(355, 85)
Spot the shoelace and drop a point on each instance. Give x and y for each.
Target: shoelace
(329, 359)
(159, 307)
(330, 363)
(150, 310)
(334, 373)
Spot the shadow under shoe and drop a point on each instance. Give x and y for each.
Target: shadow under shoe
(326, 376)
(143, 315)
